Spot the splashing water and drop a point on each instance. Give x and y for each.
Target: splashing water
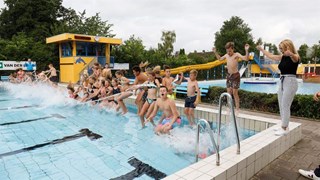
(183, 140)
(40, 94)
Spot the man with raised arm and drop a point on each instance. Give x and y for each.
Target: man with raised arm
(233, 75)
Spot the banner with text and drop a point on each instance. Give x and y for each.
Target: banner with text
(13, 65)
(120, 66)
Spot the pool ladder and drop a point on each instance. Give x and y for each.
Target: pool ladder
(216, 146)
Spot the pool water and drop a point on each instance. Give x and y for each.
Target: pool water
(41, 140)
(303, 88)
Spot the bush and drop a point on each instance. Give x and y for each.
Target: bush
(302, 105)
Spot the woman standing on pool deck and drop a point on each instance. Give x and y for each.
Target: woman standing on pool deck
(289, 60)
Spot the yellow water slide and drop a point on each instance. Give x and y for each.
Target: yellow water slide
(205, 66)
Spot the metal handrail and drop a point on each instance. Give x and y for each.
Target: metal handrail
(230, 102)
(217, 145)
(211, 137)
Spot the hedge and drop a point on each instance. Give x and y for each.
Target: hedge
(302, 105)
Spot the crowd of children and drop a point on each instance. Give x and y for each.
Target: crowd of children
(152, 92)
(21, 76)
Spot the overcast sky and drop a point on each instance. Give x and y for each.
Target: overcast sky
(196, 21)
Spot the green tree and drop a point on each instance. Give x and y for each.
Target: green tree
(314, 53)
(154, 57)
(272, 48)
(168, 38)
(259, 41)
(73, 22)
(234, 30)
(32, 17)
(131, 51)
(182, 52)
(25, 24)
(303, 53)
(21, 47)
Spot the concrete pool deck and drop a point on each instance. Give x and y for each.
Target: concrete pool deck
(305, 154)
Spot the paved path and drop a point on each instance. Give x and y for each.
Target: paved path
(303, 155)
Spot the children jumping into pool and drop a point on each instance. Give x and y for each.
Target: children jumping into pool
(53, 74)
(151, 97)
(152, 85)
(140, 78)
(170, 117)
(233, 76)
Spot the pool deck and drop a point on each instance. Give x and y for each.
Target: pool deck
(303, 155)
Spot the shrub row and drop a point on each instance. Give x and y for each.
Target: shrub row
(302, 105)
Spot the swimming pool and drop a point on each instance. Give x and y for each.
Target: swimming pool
(40, 139)
(303, 88)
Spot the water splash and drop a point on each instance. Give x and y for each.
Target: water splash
(183, 140)
(40, 94)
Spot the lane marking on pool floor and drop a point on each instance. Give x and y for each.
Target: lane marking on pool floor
(141, 168)
(19, 107)
(2, 100)
(83, 132)
(36, 119)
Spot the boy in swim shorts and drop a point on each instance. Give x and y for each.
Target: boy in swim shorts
(171, 117)
(233, 77)
(170, 82)
(192, 100)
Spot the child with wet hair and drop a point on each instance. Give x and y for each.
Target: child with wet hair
(157, 70)
(71, 92)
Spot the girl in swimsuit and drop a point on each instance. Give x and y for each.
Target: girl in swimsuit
(157, 70)
(115, 89)
(108, 92)
(148, 106)
(91, 89)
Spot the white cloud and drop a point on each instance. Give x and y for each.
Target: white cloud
(196, 21)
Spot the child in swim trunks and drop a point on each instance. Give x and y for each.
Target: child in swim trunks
(170, 82)
(233, 77)
(167, 121)
(170, 113)
(192, 100)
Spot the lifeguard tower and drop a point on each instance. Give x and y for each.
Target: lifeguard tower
(79, 52)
